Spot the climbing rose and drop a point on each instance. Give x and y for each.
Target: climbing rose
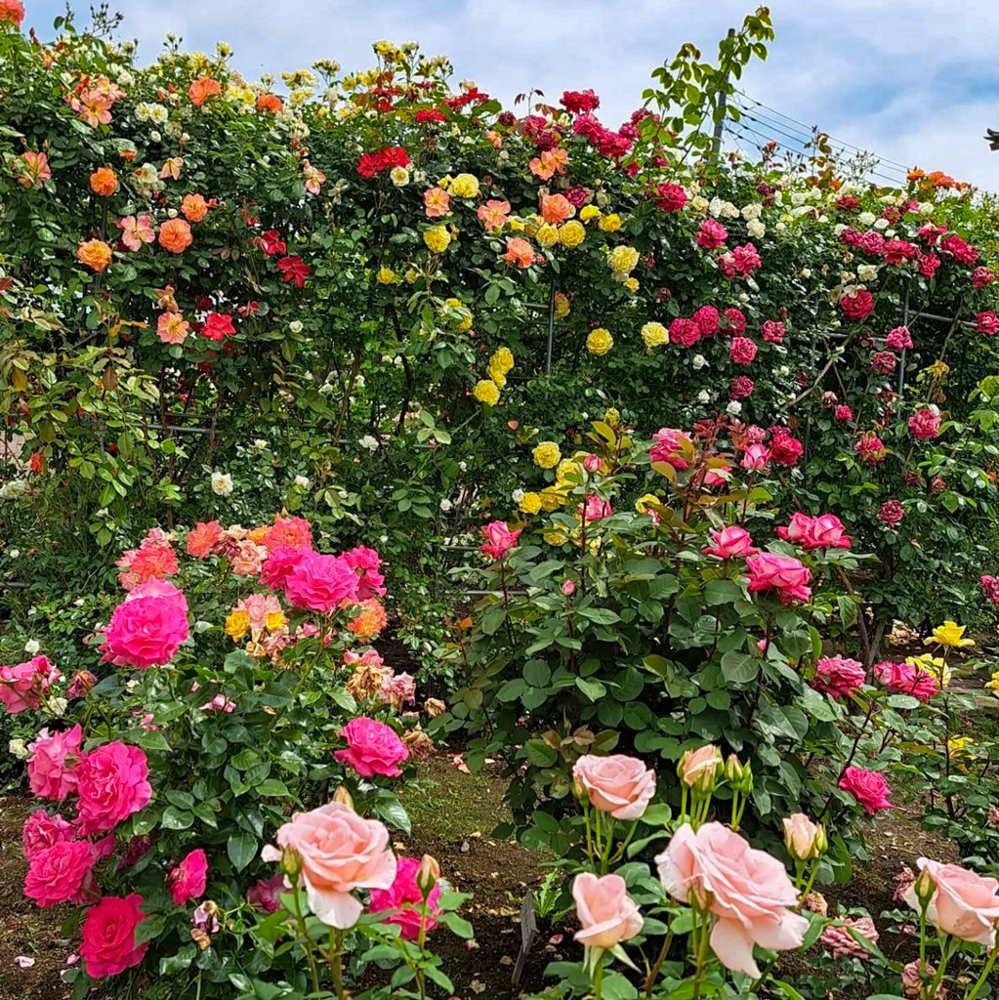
(109, 936)
(741, 387)
(857, 306)
(870, 448)
(892, 512)
(899, 339)
(773, 332)
(711, 234)
(736, 321)
(843, 413)
(785, 574)
(684, 332)
(785, 449)
(742, 350)
(405, 896)
(988, 323)
(188, 880)
(112, 785)
(707, 320)
(869, 788)
(372, 748)
(838, 676)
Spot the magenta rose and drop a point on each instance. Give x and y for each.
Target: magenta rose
(906, 678)
(499, 539)
(708, 321)
(109, 936)
(112, 784)
(785, 574)
(858, 305)
(617, 784)
(278, 566)
(147, 628)
(742, 350)
(52, 768)
(773, 331)
(372, 748)
(21, 685)
(684, 332)
(366, 563)
(60, 873)
(321, 583)
(265, 894)
(869, 788)
(711, 234)
(838, 676)
(188, 880)
(730, 543)
(405, 896)
(42, 831)
(756, 458)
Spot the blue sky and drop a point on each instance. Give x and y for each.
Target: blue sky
(915, 81)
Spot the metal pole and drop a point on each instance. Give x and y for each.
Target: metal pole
(722, 103)
(905, 323)
(551, 329)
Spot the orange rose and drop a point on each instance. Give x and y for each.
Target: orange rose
(519, 252)
(175, 236)
(203, 88)
(194, 207)
(103, 182)
(95, 254)
(556, 208)
(269, 102)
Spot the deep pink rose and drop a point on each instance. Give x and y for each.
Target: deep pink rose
(405, 896)
(822, 532)
(736, 321)
(372, 748)
(924, 424)
(756, 458)
(60, 873)
(673, 447)
(870, 448)
(607, 914)
(339, 851)
(899, 339)
(741, 387)
(785, 574)
(188, 880)
(907, 678)
(843, 413)
(838, 676)
(869, 788)
(321, 583)
(857, 306)
(147, 628)
(892, 512)
(773, 331)
(21, 685)
(711, 234)
(109, 936)
(264, 894)
(596, 509)
(746, 889)
(278, 566)
(684, 332)
(112, 784)
(785, 449)
(964, 903)
(52, 768)
(618, 784)
(987, 323)
(742, 350)
(366, 563)
(708, 321)
(730, 543)
(499, 539)
(42, 831)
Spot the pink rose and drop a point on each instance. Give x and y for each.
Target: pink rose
(684, 332)
(111, 782)
(673, 447)
(869, 788)
(596, 509)
(372, 748)
(42, 831)
(366, 563)
(607, 913)
(840, 943)
(785, 449)
(148, 627)
(499, 539)
(773, 331)
(756, 458)
(963, 903)
(697, 768)
(188, 880)
(924, 424)
(109, 936)
(60, 873)
(21, 686)
(707, 320)
(858, 305)
(785, 574)
(746, 889)
(52, 768)
(736, 322)
(843, 413)
(339, 852)
(405, 896)
(730, 543)
(838, 676)
(907, 678)
(711, 234)
(620, 785)
(742, 350)
(321, 583)
(824, 531)
(279, 565)
(264, 894)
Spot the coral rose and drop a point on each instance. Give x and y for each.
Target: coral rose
(112, 784)
(963, 903)
(109, 936)
(618, 784)
(338, 851)
(372, 748)
(175, 235)
(60, 873)
(103, 182)
(194, 207)
(747, 890)
(405, 896)
(607, 913)
(203, 88)
(519, 252)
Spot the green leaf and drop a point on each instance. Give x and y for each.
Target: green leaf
(242, 849)
(176, 819)
(739, 668)
(537, 673)
(458, 925)
(594, 690)
(540, 754)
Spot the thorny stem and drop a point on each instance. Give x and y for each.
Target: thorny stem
(307, 941)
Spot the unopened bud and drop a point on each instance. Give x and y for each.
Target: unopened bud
(428, 874)
(342, 797)
(592, 463)
(698, 768)
(568, 588)
(580, 792)
(291, 864)
(733, 771)
(804, 839)
(746, 785)
(924, 887)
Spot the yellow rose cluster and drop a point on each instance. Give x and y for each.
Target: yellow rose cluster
(622, 260)
(437, 238)
(487, 390)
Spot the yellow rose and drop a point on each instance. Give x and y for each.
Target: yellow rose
(275, 620)
(547, 235)
(236, 625)
(531, 503)
(555, 538)
(611, 224)
(516, 225)
(655, 335)
(568, 467)
(950, 634)
(588, 212)
(933, 665)
(498, 377)
(465, 320)
(642, 503)
(612, 417)
(437, 238)
(599, 342)
(623, 259)
(552, 498)
(572, 234)
(485, 391)
(993, 685)
(411, 275)
(561, 305)
(547, 454)
(464, 186)
(502, 360)
(631, 284)
(386, 276)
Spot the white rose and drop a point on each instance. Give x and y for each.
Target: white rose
(797, 198)
(780, 227)
(735, 407)
(31, 647)
(805, 272)
(222, 484)
(57, 707)
(699, 361)
(752, 211)
(14, 553)
(445, 505)
(517, 495)
(260, 444)
(704, 396)
(369, 442)
(326, 389)
(302, 482)
(784, 370)
(463, 466)
(19, 749)
(756, 229)
(867, 272)
(881, 224)
(295, 326)
(866, 218)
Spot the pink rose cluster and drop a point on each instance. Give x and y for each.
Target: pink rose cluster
(822, 532)
(148, 627)
(323, 583)
(907, 678)
(924, 424)
(23, 686)
(739, 262)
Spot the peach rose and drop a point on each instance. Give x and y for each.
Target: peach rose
(103, 182)
(618, 784)
(339, 851)
(607, 913)
(175, 235)
(746, 889)
(963, 903)
(519, 252)
(194, 207)
(803, 839)
(697, 768)
(96, 254)
(203, 88)
(270, 102)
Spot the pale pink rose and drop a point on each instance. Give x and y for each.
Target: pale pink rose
(321, 582)
(405, 896)
(112, 784)
(607, 913)
(42, 831)
(188, 880)
(964, 903)
(730, 543)
(500, 539)
(840, 943)
(248, 559)
(697, 768)
(620, 785)
(372, 748)
(746, 889)
(802, 838)
(52, 768)
(339, 852)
